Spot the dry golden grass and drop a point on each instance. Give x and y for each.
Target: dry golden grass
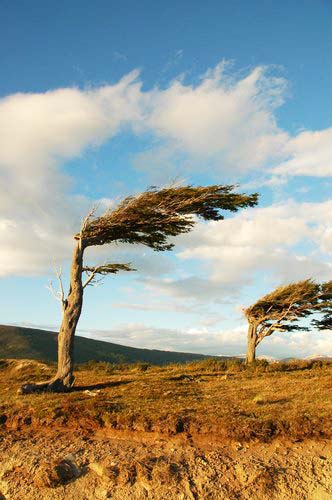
(226, 400)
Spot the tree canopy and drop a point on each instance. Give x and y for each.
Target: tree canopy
(324, 322)
(152, 217)
(282, 309)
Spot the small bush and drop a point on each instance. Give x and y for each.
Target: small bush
(236, 365)
(259, 399)
(142, 367)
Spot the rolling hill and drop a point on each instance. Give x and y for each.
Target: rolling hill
(29, 343)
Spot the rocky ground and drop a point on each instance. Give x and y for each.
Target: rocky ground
(65, 465)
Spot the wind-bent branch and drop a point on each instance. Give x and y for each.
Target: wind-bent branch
(103, 271)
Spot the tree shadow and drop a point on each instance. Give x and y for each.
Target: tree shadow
(101, 385)
(281, 401)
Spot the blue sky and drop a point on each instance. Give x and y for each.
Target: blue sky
(101, 100)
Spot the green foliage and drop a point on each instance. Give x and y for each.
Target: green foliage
(153, 216)
(324, 322)
(286, 303)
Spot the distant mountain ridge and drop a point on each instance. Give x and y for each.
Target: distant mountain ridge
(322, 357)
(30, 343)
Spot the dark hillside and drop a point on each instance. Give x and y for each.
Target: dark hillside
(29, 343)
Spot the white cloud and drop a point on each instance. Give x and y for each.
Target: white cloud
(199, 340)
(227, 124)
(39, 133)
(205, 317)
(201, 288)
(309, 153)
(299, 344)
(222, 120)
(155, 306)
(40, 130)
(286, 242)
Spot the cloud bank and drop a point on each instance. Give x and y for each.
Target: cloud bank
(224, 123)
(40, 132)
(276, 244)
(215, 342)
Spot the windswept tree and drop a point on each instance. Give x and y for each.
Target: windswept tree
(281, 311)
(150, 218)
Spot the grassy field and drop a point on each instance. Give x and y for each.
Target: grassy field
(225, 400)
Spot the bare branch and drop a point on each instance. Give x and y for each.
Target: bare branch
(55, 294)
(86, 220)
(58, 295)
(58, 273)
(103, 270)
(88, 280)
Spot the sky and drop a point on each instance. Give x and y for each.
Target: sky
(102, 99)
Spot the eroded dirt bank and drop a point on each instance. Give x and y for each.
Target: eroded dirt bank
(67, 465)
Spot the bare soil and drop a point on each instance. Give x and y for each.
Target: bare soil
(63, 465)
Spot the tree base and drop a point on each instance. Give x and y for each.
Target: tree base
(54, 385)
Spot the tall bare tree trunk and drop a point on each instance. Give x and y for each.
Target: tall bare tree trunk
(252, 338)
(72, 307)
(71, 314)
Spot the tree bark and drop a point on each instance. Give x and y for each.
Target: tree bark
(72, 307)
(71, 316)
(252, 339)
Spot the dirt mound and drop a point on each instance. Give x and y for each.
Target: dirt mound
(17, 365)
(23, 364)
(54, 466)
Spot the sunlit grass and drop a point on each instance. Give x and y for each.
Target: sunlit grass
(226, 399)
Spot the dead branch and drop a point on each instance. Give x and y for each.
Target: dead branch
(58, 295)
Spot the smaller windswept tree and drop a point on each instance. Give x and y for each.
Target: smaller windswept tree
(281, 311)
